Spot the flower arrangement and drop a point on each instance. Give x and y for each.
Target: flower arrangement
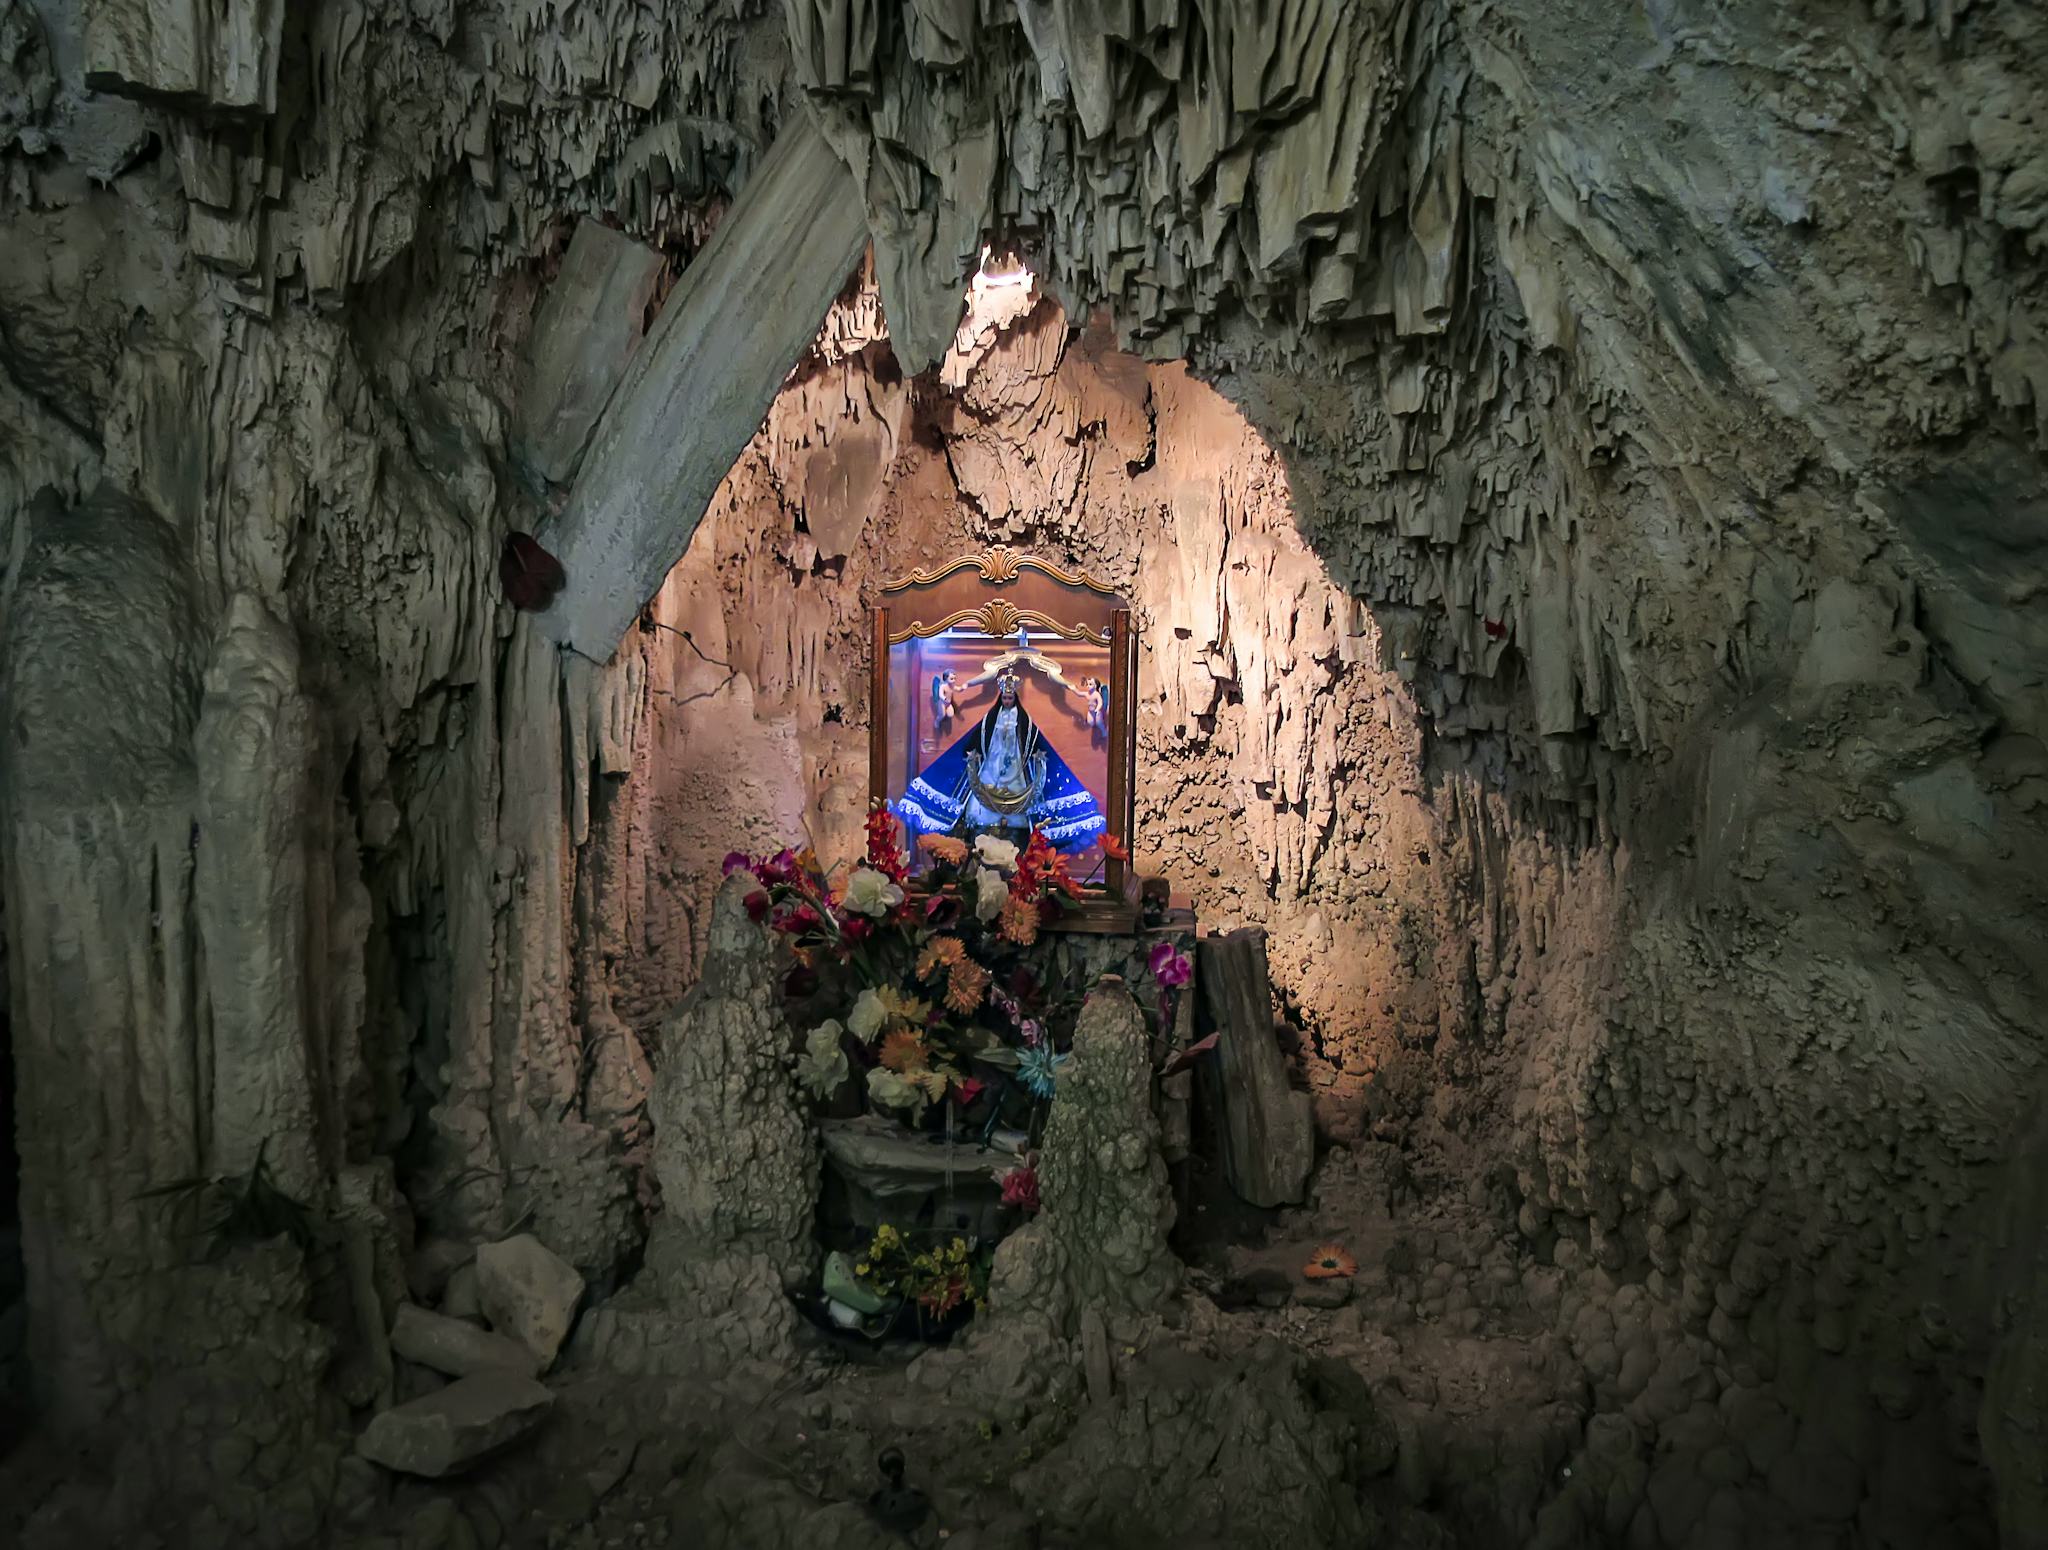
(924, 985)
(940, 1281)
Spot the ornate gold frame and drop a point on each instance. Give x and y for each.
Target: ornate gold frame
(1000, 619)
(1113, 908)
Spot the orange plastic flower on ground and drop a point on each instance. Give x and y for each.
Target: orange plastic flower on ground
(1328, 1262)
(965, 987)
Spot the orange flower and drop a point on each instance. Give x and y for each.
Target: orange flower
(940, 952)
(904, 1052)
(1114, 848)
(948, 848)
(965, 987)
(1020, 921)
(1328, 1262)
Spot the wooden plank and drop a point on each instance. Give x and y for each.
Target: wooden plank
(696, 391)
(1268, 1136)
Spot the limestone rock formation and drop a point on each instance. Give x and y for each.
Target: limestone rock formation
(739, 1168)
(1605, 655)
(528, 1292)
(457, 1347)
(458, 1426)
(1098, 1244)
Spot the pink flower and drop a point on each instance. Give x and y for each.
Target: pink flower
(1169, 965)
(1020, 1187)
(737, 861)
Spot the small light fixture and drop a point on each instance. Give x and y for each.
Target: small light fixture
(1006, 273)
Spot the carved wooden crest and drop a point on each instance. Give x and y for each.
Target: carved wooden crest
(998, 566)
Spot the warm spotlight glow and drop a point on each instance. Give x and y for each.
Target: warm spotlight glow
(1000, 274)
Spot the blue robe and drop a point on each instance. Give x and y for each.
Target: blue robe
(934, 801)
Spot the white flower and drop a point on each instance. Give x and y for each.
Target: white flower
(993, 894)
(891, 1090)
(868, 892)
(997, 853)
(868, 1017)
(822, 1066)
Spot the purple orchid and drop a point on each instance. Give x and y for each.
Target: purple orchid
(1169, 965)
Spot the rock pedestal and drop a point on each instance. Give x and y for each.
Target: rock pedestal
(1099, 1241)
(739, 1169)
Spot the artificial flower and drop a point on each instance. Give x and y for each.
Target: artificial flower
(856, 929)
(869, 892)
(1329, 1261)
(822, 1066)
(736, 861)
(1035, 1070)
(1114, 848)
(947, 848)
(801, 919)
(758, 904)
(1169, 965)
(891, 1090)
(1020, 1186)
(902, 1006)
(967, 1089)
(778, 868)
(885, 853)
(966, 985)
(1031, 1031)
(1020, 921)
(904, 1052)
(940, 952)
(870, 1015)
(995, 852)
(942, 911)
(932, 1083)
(991, 894)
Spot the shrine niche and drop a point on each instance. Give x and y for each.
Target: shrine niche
(1002, 705)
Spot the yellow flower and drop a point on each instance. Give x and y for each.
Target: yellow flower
(902, 1006)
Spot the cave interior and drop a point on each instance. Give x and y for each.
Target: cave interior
(1456, 963)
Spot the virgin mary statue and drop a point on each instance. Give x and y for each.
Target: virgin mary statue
(1001, 776)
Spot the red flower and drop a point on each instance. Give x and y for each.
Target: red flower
(967, 1089)
(885, 851)
(757, 904)
(800, 919)
(856, 928)
(942, 911)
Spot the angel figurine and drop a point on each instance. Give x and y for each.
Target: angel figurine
(1095, 704)
(942, 698)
